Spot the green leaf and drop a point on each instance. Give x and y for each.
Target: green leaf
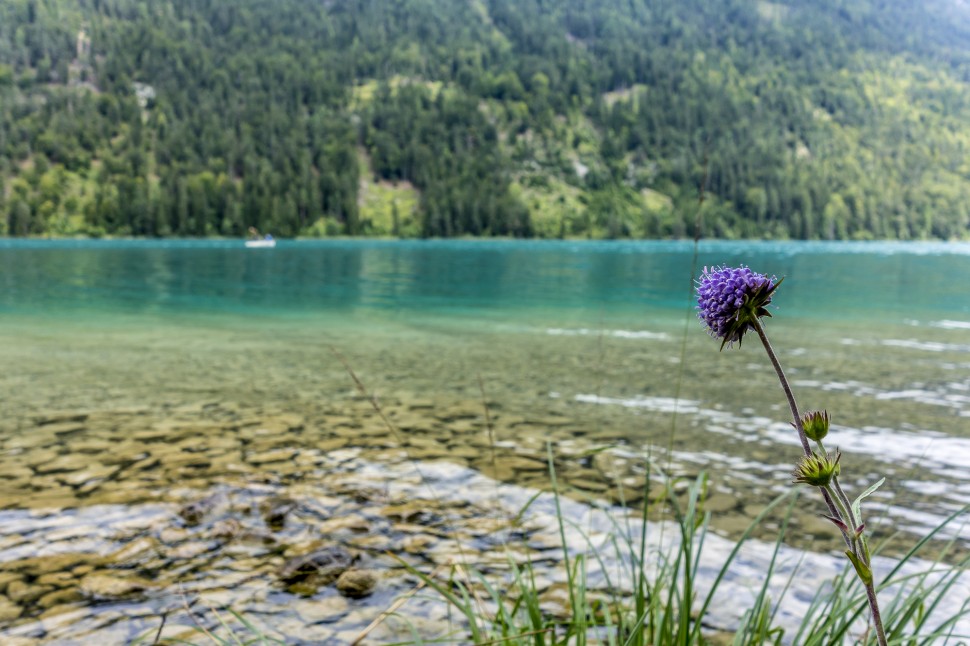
(865, 574)
(857, 503)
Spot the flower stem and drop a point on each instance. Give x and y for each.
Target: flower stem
(756, 323)
(830, 500)
(797, 417)
(834, 511)
(876, 616)
(850, 516)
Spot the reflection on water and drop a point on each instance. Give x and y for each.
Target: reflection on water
(584, 346)
(823, 281)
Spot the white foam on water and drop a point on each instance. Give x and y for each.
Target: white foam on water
(951, 325)
(927, 452)
(928, 448)
(617, 334)
(928, 346)
(654, 404)
(940, 394)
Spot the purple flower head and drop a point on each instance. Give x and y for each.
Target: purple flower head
(729, 299)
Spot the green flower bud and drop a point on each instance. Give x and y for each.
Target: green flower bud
(817, 470)
(816, 425)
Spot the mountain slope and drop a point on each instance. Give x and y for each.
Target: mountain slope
(831, 119)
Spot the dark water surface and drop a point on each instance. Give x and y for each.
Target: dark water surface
(586, 345)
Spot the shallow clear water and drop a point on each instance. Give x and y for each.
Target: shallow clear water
(585, 345)
(879, 334)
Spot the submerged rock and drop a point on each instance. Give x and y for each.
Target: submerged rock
(25, 593)
(134, 552)
(62, 463)
(318, 568)
(38, 566)
(9, 610)
(411, 512)
(275, 510)
(103, 585)
(60, 597)
(225, 529)
(321, 611)
(191, 550)
(272, 456)
(194, 512)
(356, 584)
(6, 578)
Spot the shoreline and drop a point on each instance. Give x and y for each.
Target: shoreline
(468, 238)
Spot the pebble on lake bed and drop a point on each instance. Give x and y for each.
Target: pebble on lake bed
(105, 585)
(356, 584)
(318, 568)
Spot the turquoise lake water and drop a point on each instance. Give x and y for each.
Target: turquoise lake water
(869, 282)
(591, 348)
(603, 332)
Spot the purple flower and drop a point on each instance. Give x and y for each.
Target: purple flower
(730, 299)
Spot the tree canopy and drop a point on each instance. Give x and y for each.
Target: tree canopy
(834, 119)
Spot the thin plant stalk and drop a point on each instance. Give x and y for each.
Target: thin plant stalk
(859, 552)
(796, 416)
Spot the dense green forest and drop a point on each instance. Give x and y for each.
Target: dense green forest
(819, 119)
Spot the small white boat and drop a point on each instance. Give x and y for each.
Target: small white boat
(260, 244)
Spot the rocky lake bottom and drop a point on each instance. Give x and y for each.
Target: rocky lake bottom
(138, 523)
(117, 519)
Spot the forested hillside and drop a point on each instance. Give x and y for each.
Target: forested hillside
(820, 119)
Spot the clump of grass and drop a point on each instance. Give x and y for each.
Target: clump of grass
(656, 609)
(669, 600)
